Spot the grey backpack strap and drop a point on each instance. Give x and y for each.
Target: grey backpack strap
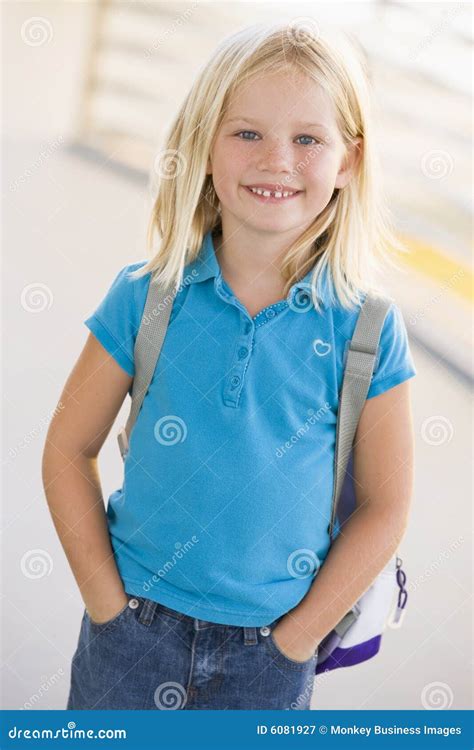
(149, 341)
(358, 372)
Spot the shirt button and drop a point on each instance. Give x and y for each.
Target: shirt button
(243, 351)
(265, 630)
(235, 381)
(133, 603)
(270, 313)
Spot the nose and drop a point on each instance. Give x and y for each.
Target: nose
(275, 158)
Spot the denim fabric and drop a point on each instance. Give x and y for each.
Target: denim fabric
(152, 657)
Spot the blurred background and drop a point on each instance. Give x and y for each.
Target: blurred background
(89, 89)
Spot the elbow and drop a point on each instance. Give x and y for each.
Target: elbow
(59, 452)
(50, 463)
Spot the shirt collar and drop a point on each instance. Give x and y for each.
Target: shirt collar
(206, 266)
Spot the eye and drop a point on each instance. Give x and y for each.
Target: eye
(311, 139)
(246, 132)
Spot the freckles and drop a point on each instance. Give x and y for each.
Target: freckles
(241, 158)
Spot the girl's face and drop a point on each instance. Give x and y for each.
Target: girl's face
(279, 133)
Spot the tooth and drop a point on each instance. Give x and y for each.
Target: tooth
(270, 193)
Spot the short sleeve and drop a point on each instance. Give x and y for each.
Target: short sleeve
(394, 362)
(116, 320)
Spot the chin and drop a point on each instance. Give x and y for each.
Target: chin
(272, 226)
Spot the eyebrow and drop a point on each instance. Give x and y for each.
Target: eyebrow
(256, 122)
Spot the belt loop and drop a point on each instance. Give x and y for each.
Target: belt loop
(148, 611)
(250, 636)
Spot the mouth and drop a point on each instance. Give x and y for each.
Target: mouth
(272, 196)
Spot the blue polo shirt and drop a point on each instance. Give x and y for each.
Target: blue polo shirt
(224, 510)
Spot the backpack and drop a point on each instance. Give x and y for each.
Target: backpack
(357, 637)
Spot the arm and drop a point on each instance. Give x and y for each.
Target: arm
(89, 404)
(383, 468)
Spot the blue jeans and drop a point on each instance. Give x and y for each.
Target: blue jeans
(152, 657)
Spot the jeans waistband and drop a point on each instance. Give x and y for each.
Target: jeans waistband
(149, 608)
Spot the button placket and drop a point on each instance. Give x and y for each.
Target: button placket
(268, 313)
(236, 376)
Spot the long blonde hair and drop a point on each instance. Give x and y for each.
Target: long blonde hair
(352, 236)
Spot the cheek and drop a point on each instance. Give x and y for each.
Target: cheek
(228, 150)
(320, 171)
(231, 167)
(237, 156)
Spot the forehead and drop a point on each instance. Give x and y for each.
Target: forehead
(288, 94)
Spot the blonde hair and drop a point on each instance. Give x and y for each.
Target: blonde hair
(352, 235)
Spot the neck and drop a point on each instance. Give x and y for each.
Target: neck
(251, 261)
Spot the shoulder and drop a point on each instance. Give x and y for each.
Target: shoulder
(128, 290)
(345, 319)
(394, 362)
(125, 276)
(116, 319)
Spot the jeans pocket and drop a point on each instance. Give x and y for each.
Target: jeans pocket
(285, 660)
(112, 621)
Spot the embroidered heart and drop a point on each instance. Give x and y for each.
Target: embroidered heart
(321, 347)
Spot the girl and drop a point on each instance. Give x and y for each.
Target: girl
(203, 582)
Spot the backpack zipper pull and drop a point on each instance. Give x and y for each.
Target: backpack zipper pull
(399, 613)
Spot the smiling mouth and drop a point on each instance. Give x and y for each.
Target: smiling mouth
(272, 196)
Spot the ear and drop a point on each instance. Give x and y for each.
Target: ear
(209, 166)
(349, 163)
